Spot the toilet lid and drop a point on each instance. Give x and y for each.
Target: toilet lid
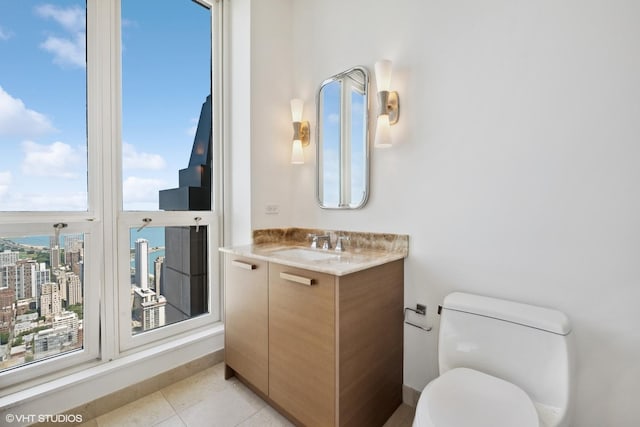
(464, 397)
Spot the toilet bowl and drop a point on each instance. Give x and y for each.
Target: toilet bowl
(502, 364)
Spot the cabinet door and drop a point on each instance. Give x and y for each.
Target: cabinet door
(302, 344)
(246, 319)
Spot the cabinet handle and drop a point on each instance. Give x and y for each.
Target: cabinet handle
(298, 279)
(243, 265)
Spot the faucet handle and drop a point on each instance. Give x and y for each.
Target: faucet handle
(339, 242)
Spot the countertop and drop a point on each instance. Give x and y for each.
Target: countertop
(330, 262)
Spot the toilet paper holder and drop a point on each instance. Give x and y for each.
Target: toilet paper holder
(420, 310)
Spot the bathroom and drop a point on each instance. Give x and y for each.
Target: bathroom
(511, 169)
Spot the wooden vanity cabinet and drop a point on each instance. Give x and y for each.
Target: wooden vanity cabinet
(302, 344)
(335, 343)
(246, 338)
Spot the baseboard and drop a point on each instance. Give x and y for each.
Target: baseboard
(410, 396)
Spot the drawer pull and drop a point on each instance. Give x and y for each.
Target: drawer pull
(298, 279)
(243, 265)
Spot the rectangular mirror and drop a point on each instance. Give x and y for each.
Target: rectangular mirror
(343, 140)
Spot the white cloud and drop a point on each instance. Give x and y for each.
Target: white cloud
(333, 118)
(72, 19)
(67, 51)
(5, 182)
(132, 159)
(17, 120)
(62, 201)
(58, 160)
(141, 193)
(71, 50)
(5, 34)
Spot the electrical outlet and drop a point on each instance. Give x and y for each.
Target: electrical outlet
(272, 209)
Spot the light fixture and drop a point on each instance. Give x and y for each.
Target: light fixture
(388, 104)
(300, 132)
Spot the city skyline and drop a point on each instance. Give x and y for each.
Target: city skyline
(41, 299)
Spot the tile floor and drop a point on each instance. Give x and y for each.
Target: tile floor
(206, 399)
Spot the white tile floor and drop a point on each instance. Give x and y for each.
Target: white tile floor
(206, 399)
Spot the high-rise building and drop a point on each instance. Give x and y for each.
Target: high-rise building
(63, 335)
(7, 313)
(158, 277)
(8, 258)
(61, 279)
(24, 277)
(142, 263)
(74, 288)
(55, 256)
(69, 320)
(74, 252)
(148, 309)
(50, 301)
(73, 242)
(73, 259)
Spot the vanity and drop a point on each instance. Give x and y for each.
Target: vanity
(318, 332)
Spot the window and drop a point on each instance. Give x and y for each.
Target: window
(108, 179)
(49, 287)
(167, 158)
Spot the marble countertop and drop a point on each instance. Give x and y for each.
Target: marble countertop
(322, 260)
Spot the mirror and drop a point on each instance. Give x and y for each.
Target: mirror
(342, 180)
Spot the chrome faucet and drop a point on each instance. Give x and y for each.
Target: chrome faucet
(327, 241)
(318, 238)
(340, 242)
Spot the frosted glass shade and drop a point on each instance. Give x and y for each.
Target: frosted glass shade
(297, 156)
(383, 75)
(296, 110)
(383, 132)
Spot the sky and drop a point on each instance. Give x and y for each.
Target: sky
(166, 72)
(331, 95)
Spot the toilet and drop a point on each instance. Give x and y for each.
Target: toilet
(502, 364)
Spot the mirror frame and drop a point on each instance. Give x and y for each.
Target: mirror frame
(367, 161)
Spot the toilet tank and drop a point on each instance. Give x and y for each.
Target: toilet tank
(526, 345)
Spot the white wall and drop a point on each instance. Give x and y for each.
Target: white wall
(517, 166)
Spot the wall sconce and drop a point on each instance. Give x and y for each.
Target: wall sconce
(388, 104)
(300, 132)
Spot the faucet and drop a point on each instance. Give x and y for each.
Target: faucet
(317, 238)
(340, 244)
(327, 241)
(314, 240)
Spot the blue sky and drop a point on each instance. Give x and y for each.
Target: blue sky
(331, 148)
(166, 69)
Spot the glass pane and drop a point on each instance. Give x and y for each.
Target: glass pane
(41, 297)
(166, 102)
(43, 131)
(168, 276)
(358, 147)
(330, 150)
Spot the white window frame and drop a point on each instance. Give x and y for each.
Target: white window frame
(34, 224)
(104, 220)
(212, 219)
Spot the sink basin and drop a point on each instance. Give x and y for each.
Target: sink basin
(306, 254)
